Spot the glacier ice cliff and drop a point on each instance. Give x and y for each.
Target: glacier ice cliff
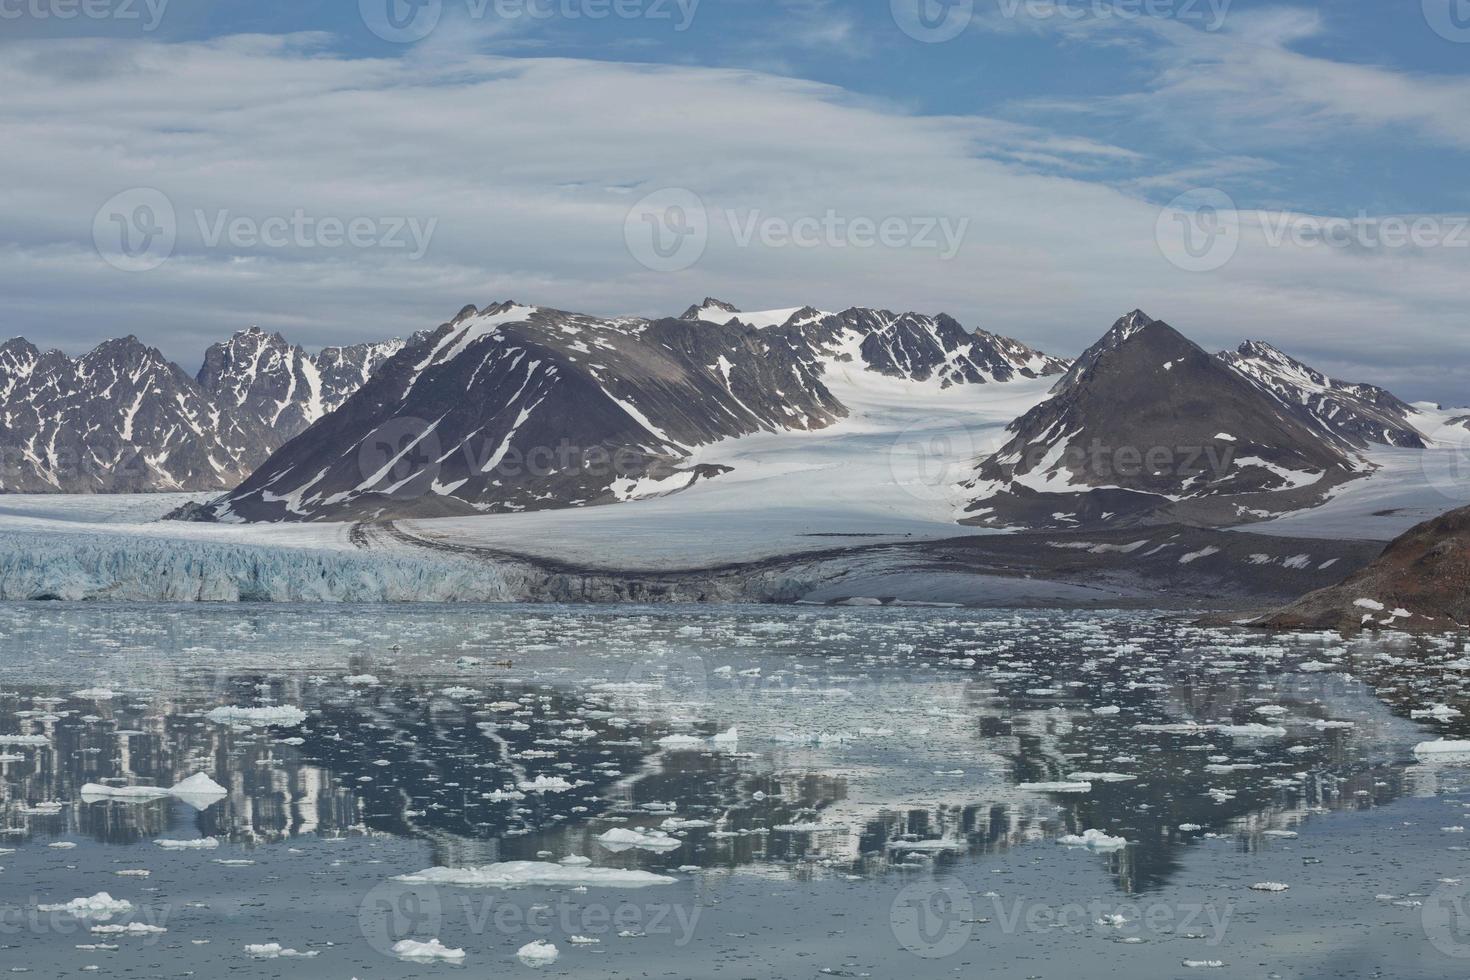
(140, 568)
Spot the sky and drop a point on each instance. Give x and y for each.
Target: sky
(347, 170)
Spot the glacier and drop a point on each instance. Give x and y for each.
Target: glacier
(140, 568)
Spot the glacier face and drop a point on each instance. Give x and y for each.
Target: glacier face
(139, 568)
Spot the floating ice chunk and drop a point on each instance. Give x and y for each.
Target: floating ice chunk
(1204, 964)
(538, 953)
(100, 906)
(131, 929)
(576, 861)
(361, 680)
(271, 951)
(1107, 709)
(1269, 886)
(680, 741)
(514, 874)
(95, 694)
(24, 740)
(729, 736)
(411, 949)
(1093, 840)
(545, 784)
(583, 941)
(199, 784)
(284, 715)
(622, 839)
(1444, 749)
(194, 844)
(1066, 787)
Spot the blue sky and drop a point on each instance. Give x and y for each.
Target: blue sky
(519, 137)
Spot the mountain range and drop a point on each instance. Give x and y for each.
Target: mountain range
(122, 418)
(511, 408)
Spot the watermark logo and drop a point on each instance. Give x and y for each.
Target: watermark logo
(395, 911)
(1450, 19)
(400, 458)
(933, 21)
(1199, 231)
(933, 919)
(833, 230)
(401, 21)
(1446, 919)
(136, 229)
(409, 21)
(1446, 464)
(1208, 14)
(146, 14)
(929, 464)
(668, 230)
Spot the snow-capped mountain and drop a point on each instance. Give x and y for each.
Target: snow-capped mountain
(1147, 427)
(901, 345)
(123, 418)
(515, 408)
(268, 390)
(1360, 413)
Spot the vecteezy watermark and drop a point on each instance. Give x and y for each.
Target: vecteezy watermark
(146, 14)
(1446, 919)
(932, 21)
(669, 230)
(1104, 462)
(1199, 231)
(138, 230)
(139, 925)
(396, 911)
(935, 919)
(1446, 465)
(832, 229)
(929, 463)
(1450, 19)
(301, 229)
(1209, 14)
(1366, 233)
(407, 21)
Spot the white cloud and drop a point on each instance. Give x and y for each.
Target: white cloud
(529, 167)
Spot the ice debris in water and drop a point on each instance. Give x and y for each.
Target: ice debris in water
(537, 953)
(283, 715)
(101, 906)
(622, 839)
(514, 874)
(412, 949)
(272, 951)
(1093, 840)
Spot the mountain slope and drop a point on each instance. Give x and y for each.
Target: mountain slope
(516, 408)
(901, 345)
(123, 418)
(1360, 413)
(1146, 427)
(1420, 582)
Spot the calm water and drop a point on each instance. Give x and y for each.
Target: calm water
(747, 792)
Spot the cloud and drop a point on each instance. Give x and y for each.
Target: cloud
(528, 168)
(1245, 85)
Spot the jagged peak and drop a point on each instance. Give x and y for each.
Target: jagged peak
(710, 303)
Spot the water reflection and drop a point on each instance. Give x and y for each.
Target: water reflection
(867, 741)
